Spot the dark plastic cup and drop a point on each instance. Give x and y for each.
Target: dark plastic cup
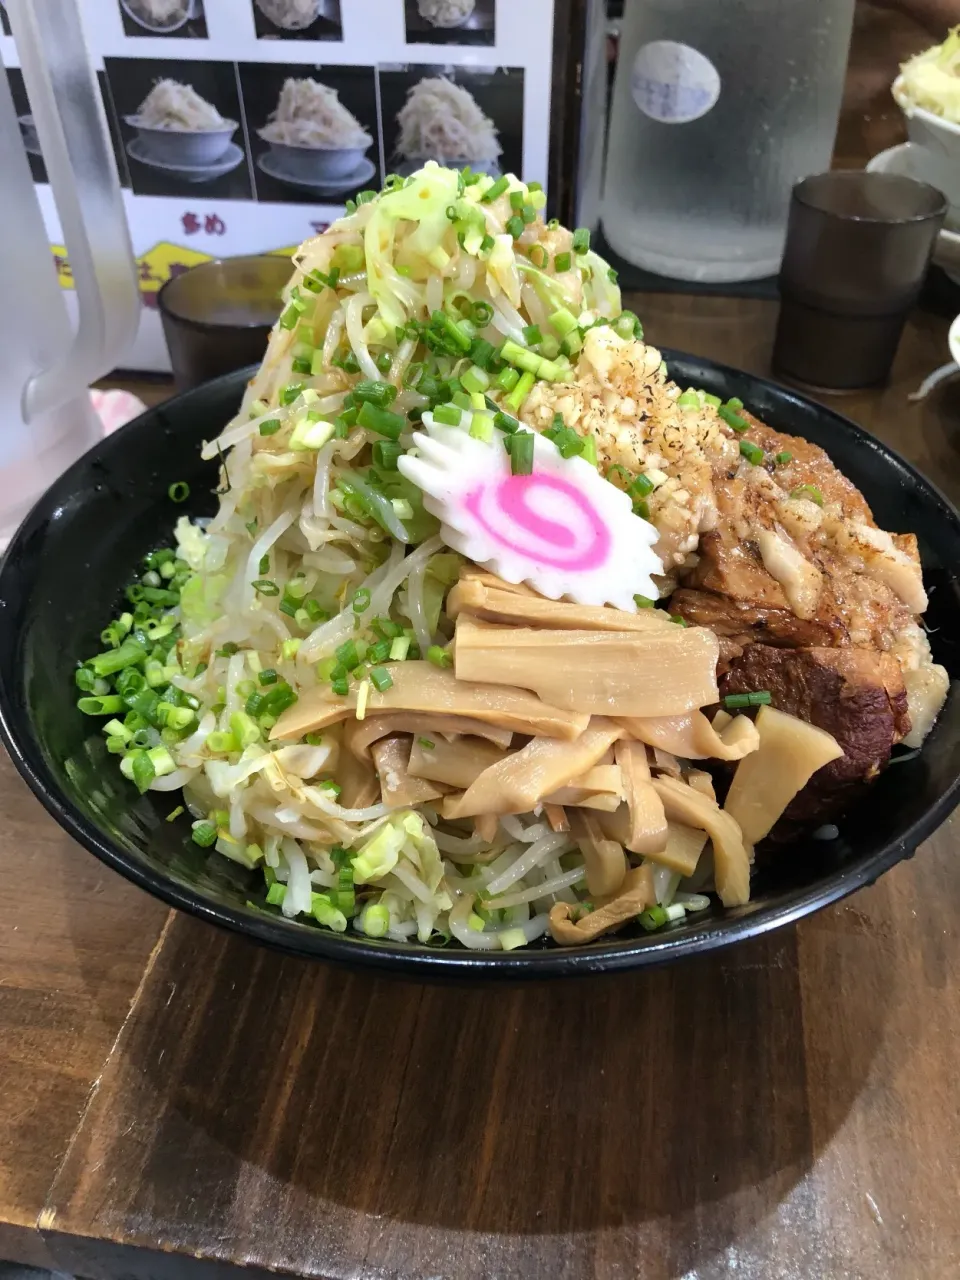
(858, 248)
(217, 316)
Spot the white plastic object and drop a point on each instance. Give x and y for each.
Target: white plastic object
(563, 530)
(46, 420)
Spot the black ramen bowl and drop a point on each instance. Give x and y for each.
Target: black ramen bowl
(61, 580)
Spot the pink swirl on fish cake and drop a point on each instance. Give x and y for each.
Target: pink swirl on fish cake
(580, 545)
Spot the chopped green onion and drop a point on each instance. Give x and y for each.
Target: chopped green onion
(439, 656)
(222, 743)
(290, 392)
(653, 918)
(399, 648)
(244, 729)
(175, 813)
(483, 353)
(732, 419)
(738, 701)
(381, 679)
(715, 401)
(475, 380)
(276, 894)
(481, 313)
(783, 458)
(204, 834)
(264, 587)
(641, 487)
(590, 449)
(108, 664)
(179, 491)
(447, 415)
(495, 190)
(508, 378)
(361, 600)
(735, 404)
(347, 655)
(802, 491)
(679, 619)
(532, 335)
(581, 240)
(562, 262)
(520, 446)
(752, 452)
(427, 743)
(386, 454)
(520, 392)
(515, 226)
(564, 321)
(688, 400)
(381, 394)
(375, 920)
(644, 602)
(107, 706)
(142, 770)
(380, 420)
(481, 428)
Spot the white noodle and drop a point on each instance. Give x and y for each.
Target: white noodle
(527, 835)
(552, 886)
(296, 900)
(532, 857)
(442, 121)
(175, 106)
(310, 114)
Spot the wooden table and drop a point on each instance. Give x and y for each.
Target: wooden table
(175, 1099)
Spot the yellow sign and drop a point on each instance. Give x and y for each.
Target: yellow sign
(156, 266)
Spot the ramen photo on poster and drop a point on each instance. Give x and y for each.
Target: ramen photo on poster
(457, 116)
(182, 19)
(459, 22)
(297, 19)
(180, 123)
(313, 131)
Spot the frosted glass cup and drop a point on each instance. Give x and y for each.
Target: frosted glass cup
(858, 248)
(217, 316)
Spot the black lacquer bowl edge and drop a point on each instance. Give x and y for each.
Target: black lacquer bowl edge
(719, 929)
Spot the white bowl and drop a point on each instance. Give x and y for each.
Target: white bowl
(184, 146)
(910, 160)
(157, 28)
(317, 163)
(938, 137)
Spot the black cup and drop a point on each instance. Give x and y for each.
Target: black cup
(858, 248)
(217, 316)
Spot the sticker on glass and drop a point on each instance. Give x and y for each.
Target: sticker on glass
(674, 83)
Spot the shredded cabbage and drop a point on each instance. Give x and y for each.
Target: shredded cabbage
(931, 80)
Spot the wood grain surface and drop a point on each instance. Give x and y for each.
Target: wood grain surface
(784, 1110)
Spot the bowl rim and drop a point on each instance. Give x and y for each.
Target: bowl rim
(361, 147)
(134, 121)
(415, 961)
